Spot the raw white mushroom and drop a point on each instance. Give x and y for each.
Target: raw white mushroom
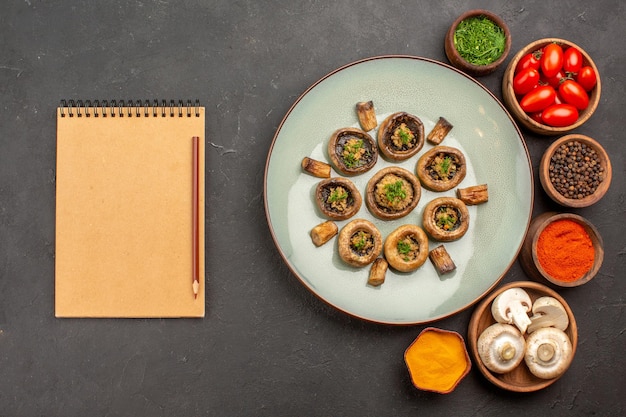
(548, 352)
(548, 312)
(501, 347)
(512, 307)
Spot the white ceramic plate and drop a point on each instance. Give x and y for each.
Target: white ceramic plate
(483, 130)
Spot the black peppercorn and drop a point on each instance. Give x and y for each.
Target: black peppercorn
(575, 170)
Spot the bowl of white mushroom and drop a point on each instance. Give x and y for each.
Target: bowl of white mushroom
(523, 336)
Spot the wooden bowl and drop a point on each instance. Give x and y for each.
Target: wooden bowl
(459, 62)
(520, 379)
(435, 343)
(528, 252)
(544, 172)
(512, 103)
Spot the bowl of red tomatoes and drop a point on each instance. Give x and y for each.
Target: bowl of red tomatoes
(551, 86)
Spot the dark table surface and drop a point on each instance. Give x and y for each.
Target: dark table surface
(267, 346)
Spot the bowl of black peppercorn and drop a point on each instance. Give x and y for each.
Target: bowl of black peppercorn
(575, 171)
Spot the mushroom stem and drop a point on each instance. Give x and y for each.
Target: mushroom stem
(512, 307)
(545, 352)
(507, 351)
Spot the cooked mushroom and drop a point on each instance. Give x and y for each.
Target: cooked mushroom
(441, 168)
(406, 248)
(377, 272)
(392, 192)
(316, 168)
(549, 352)
(338, 198)
(446, 219)
(352, 151)
(548, 312)
(323, 232)
(475, 194)
(367, 115)
(400, 136)
(501, 347)
(441, 260)
(512, 307)
(439, 132)
(359, 242)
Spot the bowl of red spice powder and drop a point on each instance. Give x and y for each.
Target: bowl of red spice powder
(562, 249)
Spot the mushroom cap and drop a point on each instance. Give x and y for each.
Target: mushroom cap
(397, 260)
(390, 213)
(548, 312)
(425, 162)
(345, 249)
(512, 307)
(387, 129)
(429, 221)
(549, 352)
(501, 347)
(353, 198)
(336, 146)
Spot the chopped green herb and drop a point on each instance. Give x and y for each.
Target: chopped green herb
(405, 134)
(360, 241)
(445, 221)
(337, 194)
(445, 165)
(446, 218)
(402, 136)
(479, 40)
(353, 152)
(395, 191)
(403, 247)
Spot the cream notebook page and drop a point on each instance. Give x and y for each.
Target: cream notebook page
(124, 212)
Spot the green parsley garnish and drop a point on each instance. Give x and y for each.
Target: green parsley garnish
(337, 194)
(403, 247)
(352, 153)
(445, 221)
(405, 136)
(395, 191)
(361, 242)
(445, 165)
(447, 218)
(479, 40)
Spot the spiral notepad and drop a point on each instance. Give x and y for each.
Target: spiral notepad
(130, 209)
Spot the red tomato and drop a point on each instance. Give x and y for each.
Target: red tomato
(530, 60)
(536, 116)
(551, 60)
(587, 78)
(559, 115)
(572, 60)
(555, 80)
(558, 99)
(525, 81)
(572, 93)
(538, 99)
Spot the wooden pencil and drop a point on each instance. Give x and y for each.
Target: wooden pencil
(195, 212)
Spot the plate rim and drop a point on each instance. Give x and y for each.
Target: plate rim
(266, 202)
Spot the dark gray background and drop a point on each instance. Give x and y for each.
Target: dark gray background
(267, 347)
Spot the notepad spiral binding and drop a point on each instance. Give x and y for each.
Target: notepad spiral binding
(130, 108)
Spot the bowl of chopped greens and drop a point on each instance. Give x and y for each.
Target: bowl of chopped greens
(478, 42)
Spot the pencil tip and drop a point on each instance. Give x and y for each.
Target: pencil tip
(195, 286)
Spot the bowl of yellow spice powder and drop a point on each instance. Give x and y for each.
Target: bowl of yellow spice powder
(478, 42)
(562, 249)
(437, 360)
